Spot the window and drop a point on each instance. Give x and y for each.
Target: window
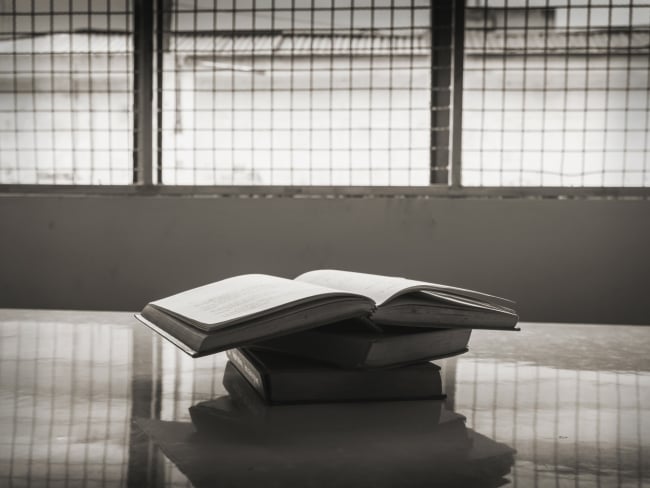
(303, 93)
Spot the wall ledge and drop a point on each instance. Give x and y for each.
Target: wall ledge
(418, 192)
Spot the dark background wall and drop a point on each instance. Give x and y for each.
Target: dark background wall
(576, 260)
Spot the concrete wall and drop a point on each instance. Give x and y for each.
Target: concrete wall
(561, 260)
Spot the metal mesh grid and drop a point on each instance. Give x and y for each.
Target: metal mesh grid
(288, 92)
(556, 93)
(66, 92)
(314, 92)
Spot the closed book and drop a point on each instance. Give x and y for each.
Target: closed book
(358, 343)
(244, 399)
(279, 378)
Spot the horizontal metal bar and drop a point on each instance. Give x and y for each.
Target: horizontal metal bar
(433, 191)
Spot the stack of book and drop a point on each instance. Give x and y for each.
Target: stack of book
(329, 335)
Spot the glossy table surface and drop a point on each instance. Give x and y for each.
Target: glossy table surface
(96, 399)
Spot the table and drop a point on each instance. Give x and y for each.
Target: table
(96, 399)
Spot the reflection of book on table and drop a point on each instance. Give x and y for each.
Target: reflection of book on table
(318, 449)
(249, 308)
(280, 378)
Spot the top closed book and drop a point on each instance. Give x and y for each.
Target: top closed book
(361, 344)
(250, 308)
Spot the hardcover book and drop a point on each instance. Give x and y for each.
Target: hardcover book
(246, 309)
(358, 343)
(279, 379)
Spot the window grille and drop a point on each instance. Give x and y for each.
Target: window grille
(501, 93)
(556, 93)
(295, 93)
(66, 92)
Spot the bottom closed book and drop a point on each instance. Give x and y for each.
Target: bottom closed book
(279, 379)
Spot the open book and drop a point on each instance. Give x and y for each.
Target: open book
(249, 308)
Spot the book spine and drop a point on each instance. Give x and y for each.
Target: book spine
(248, 370)
(242, 392)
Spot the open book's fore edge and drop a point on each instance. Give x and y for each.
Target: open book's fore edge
(436, 326)
(178, 343)
(468, 302)
(483, 301)
(442, 318)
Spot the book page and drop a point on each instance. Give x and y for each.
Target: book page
(468, 302)
(239, 297)
(381, 288)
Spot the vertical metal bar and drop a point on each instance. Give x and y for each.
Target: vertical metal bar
(143, 21)
(504, 111)
(194, 95)
(163, 21)
(456, 123)
(441, 68)
(91, 94)
(545, 94)
(234, 79)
